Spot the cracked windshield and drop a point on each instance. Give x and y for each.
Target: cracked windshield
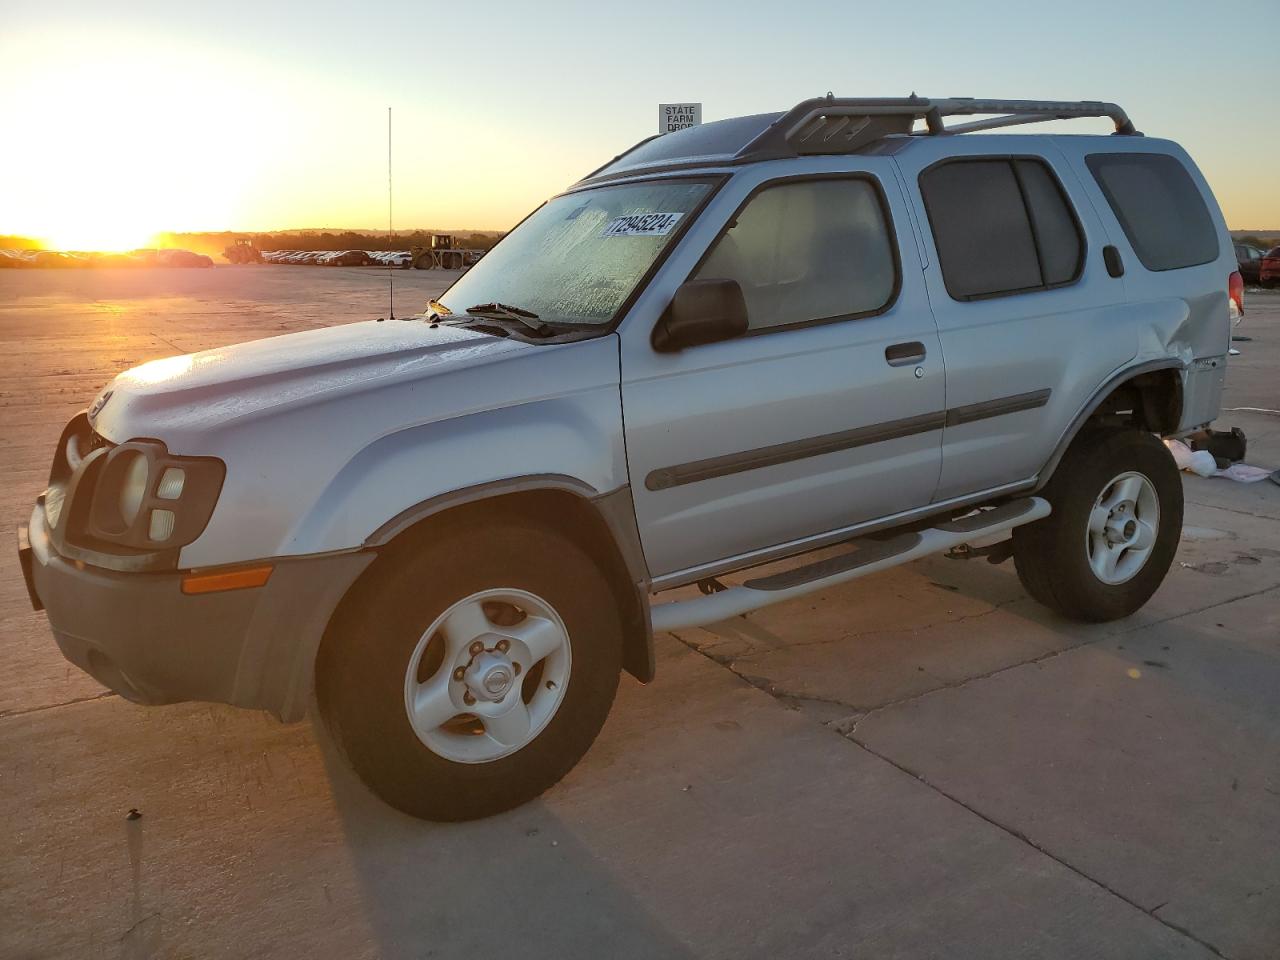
(578, 257)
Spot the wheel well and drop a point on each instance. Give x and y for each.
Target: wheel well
(567, 513)
(1150, 401)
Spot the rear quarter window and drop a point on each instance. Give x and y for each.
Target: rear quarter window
(1159, 208)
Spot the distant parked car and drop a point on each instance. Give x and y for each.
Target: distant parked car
(354, 258)
(182, 258)
(344, 258)
(1249, 260)
(53, 258)
(113, 259)
(402, 259)
(15, 258)
(1269, 272)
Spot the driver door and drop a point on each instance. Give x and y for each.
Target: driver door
(827, 413)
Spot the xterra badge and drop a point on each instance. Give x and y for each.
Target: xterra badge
(99, 404)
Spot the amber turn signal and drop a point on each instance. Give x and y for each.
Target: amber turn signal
(226, 579)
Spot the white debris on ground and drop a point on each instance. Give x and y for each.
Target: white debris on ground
(1202, 464)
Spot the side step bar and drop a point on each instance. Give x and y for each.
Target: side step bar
(867, 556)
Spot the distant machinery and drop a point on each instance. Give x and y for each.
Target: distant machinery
(243, 251)
(443, 254)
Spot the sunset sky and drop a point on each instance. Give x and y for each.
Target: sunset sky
(122, 119)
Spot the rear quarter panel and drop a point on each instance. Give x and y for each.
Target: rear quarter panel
(1194, 324)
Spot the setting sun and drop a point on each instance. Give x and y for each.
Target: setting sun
(132, 160)
(107, 236)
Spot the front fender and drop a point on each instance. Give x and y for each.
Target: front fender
(576, 438)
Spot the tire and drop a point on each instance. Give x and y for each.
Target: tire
(458, 770)
(1115, 526)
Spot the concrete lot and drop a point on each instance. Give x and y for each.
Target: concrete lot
(921, 764)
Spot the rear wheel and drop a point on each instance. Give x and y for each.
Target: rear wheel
(472, 674)
(1116, 523)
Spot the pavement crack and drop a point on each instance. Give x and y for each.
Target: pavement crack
(169, 343)
(789, 699)
(137, 923)
(1044, 851)
(7, 714)
(964, 681)
(847, 728)
(955, 684)
(1243, 513)
(1187, 613)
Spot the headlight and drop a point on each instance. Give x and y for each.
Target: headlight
(133, 487)
(144, 498)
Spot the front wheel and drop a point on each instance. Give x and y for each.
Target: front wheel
(1115, 526)
(467, 676)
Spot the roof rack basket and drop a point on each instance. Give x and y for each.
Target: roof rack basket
(830, 125)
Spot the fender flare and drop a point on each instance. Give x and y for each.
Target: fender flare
(1099, 396)
(617, 515)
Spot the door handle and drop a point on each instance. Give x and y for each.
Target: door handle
(1114, 264)
(903, 354)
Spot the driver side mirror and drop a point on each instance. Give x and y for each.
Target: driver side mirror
(702, 311)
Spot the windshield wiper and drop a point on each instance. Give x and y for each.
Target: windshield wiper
(503, 312)
(502, 308)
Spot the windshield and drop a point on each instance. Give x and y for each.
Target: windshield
(578, 257)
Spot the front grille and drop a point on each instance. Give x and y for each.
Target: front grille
(93, 442)
(78, 441)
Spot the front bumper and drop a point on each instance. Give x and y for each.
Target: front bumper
(141, 636)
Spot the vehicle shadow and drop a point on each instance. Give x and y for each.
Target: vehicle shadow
(521, 884)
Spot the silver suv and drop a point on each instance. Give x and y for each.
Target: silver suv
(843, 325)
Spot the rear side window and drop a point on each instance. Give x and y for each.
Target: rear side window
(1158, 206)
(808, 250)
(1001, 226)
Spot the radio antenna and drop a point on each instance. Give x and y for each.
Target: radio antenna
(391, 282)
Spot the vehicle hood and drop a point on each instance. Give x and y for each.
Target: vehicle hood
(202, 392)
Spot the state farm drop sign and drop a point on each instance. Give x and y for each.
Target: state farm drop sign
(677, 116)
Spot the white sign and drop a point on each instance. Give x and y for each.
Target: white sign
(641, 225)
(677, 116)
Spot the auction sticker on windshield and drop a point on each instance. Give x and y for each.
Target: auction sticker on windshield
(641, 225)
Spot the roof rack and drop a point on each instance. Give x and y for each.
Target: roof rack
(830, 125)
(827, 125)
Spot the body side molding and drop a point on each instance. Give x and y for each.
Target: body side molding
(986, 409)
(722, 466)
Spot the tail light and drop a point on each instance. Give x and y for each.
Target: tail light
(1235, 293)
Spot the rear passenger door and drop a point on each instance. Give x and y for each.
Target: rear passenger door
(1027, 313)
